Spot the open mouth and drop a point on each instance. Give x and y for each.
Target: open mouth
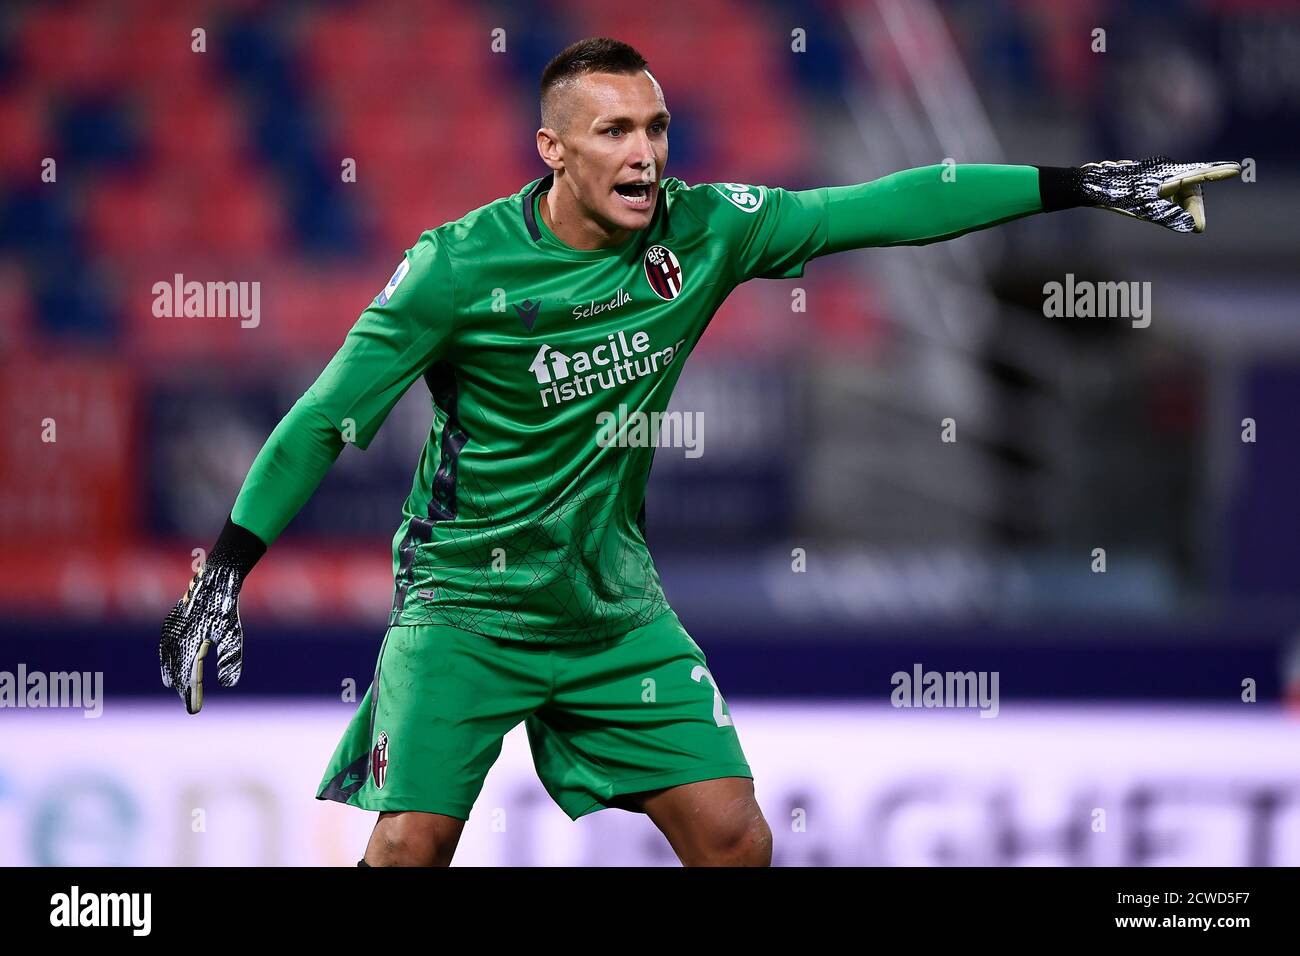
(636, 195)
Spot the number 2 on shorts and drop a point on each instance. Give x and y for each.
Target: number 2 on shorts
(721, 719)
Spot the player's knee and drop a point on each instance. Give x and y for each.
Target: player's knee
(755, 845)
(744, 839)
(410, 839)
(403, 851)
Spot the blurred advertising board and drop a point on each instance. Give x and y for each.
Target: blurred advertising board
(840, 785)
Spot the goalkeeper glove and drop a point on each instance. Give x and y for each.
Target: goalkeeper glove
(208, 614)
(1154, 189)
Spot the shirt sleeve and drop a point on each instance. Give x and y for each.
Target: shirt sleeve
(772, 233)
(403, 331)
(285, 473)
(407, 328)
(929, 204)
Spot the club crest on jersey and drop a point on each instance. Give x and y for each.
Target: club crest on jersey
(379, 761)
(394, 282)
(663, 272)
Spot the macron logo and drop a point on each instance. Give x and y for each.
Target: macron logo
(528, 312)
(558, 363)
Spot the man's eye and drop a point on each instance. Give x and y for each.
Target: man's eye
(613, 129)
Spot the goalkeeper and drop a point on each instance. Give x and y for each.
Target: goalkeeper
(523, 587)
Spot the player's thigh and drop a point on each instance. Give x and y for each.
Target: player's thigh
(635, 713)
(432, 722)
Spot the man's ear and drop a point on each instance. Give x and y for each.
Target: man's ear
(550, 148)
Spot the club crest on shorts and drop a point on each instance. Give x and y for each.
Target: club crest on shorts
(379, 761)
(663, 272)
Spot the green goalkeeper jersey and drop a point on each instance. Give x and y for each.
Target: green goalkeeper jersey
(526, 517)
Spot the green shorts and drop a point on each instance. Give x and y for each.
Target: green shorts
(631, 713)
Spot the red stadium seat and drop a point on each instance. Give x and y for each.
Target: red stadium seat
(240, 215)
(197, 133)
(24, 132)
(48, 37)
(131, 215)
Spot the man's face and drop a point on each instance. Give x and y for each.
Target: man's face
(616, 147)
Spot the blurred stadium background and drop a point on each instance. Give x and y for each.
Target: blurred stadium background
(1120, 691)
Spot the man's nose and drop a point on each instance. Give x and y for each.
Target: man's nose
(643, 154)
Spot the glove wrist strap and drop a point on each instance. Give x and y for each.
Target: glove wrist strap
(1060, 187)
(238, 548)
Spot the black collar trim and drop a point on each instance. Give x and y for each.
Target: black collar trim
(530, 218)
(544, 184)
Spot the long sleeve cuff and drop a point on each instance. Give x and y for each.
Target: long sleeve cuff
(1060, 187)
(238, 547)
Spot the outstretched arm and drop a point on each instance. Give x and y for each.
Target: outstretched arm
(932, 203)
(773, 232)
(928, 204)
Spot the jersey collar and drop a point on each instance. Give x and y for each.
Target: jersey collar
(547, 181)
